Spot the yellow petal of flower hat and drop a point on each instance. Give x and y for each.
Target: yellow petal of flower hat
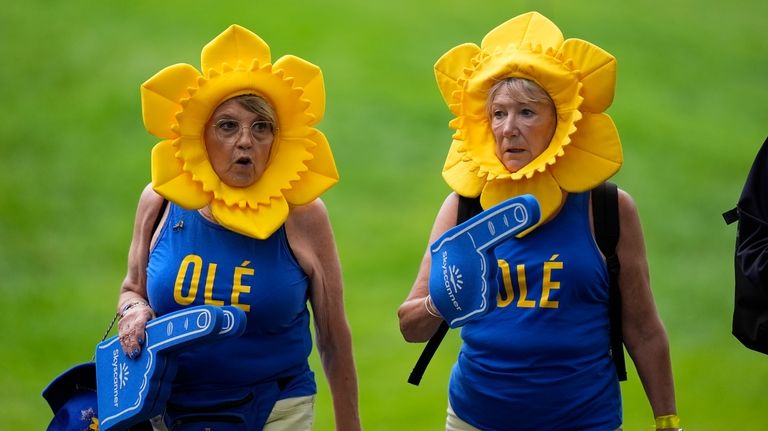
(178, 101)
(579, 77)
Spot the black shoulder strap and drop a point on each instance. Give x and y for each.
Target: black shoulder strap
(468, 207)
(605, 218)
(159, 215)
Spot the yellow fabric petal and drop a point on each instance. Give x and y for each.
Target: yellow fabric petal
(551, 154)
(449, 70)
(560, 82)
(593, 156)
(454, 156)
(280, 172)
(532, 27)
(192, 150)
(462, 175)
(597, 69)
(321, 173)
(284, 168)
(257, 223)
(276, 89)
(542, 186)
(579, 77)
(478, 135)
(286, 160)
(234, 45)
(300, 165)
(161, 97)
(309, 79)
(171, 181)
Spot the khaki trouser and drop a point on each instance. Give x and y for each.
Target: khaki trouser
(290, 414)
(454, 423)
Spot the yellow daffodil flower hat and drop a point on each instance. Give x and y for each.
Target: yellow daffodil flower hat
(178, 101)
(579, 77)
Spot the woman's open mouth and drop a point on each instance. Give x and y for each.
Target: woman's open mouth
(243, 161)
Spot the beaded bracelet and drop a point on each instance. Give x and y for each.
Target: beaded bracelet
(131, 305)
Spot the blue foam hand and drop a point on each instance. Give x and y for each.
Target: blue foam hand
(462, 279)
(133, 390)
(233, 325)
(234, 322)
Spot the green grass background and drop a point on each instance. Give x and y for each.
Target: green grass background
(690, 107)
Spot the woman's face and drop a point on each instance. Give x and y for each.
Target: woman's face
(238, 143)
(522, 130)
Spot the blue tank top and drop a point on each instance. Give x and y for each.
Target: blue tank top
(196, 262)
(540, 360)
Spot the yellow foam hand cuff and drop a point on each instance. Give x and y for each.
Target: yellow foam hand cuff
(178, 101)
(579, 77)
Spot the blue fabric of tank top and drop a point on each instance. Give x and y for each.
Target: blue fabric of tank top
(541, 360)
(196, 262)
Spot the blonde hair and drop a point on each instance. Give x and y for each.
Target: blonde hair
(522, 90)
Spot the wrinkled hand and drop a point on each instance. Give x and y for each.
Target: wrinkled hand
(131, 328)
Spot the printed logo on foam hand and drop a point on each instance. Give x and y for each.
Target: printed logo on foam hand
(452, 279)
(123, 375)
(462, 280)
(138, 388)
(120, 377)
(455, 275)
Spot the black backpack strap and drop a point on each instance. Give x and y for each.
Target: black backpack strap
(426, 355)
(605, 218)
(468, 207)
(159, 217)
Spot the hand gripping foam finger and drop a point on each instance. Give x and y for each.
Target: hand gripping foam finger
(462, 279)
(130, 390)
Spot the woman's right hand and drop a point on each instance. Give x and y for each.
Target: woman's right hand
(131, 327)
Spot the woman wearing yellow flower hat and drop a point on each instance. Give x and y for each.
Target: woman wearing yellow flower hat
(529, 119)
(232, 217)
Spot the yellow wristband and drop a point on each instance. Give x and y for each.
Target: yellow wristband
(667, 421)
